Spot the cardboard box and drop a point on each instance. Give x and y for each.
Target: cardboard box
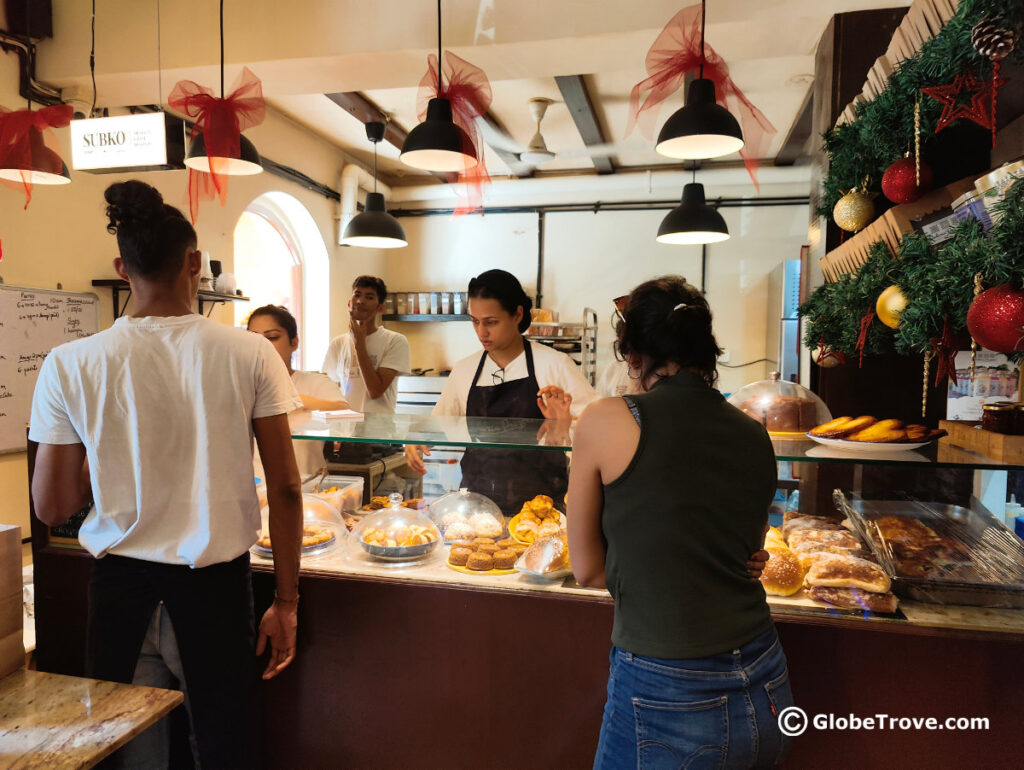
(12, 649)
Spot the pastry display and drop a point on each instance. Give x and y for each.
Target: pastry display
(481, 554)
(416, 503)
(464, 515)
(396, 533)
(793, 521)
(872, 430)
(399, 536)
(538, 518)
(783, 408)
(376, 504)
(322, 525)
(810, 540)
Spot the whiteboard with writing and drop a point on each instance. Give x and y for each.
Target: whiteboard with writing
(32, 323)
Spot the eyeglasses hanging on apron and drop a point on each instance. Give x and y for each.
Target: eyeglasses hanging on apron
(510, 477)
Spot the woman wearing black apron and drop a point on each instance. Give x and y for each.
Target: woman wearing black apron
(511, 377)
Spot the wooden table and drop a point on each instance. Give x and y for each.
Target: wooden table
(55, 721)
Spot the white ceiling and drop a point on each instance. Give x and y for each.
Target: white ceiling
(306, 48)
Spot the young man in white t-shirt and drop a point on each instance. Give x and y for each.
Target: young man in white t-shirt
(366, 360)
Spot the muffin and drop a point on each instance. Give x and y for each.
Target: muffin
(504, 559)
(519, 548)
(459, 556)
(490, 548)
(483, 540)
(506, 542)
(481, 562)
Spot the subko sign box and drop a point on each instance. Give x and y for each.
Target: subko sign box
(126, 143)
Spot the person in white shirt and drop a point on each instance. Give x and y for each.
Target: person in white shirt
(615, 379)
(366, 360)
(165, 405)
(316, 390)
(511, 377)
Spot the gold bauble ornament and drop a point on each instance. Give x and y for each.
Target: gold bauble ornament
(826, 358)
(854, 211)
(890, 304)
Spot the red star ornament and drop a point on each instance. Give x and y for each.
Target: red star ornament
(978, 109)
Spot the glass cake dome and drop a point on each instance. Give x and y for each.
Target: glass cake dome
(464, 515)
(786, 409)
(394, 536)
(322, 528)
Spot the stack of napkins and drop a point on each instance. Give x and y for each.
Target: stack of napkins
(336, 414)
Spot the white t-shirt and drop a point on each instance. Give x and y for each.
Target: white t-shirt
(615, 380)
(387, 350)
(164, 407)
(550, 366)
(308, 454)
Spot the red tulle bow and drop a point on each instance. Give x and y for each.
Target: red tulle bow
(469, 92)
(221, 122)
(16, 139)
(862, 338)
(944, 349)
(675, 53)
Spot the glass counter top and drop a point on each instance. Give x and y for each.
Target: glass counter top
(532, 434)
(488, 432)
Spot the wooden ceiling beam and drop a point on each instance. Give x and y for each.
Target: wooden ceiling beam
(581, 107)
(799, 133)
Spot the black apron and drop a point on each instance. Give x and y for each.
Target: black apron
(510, 477)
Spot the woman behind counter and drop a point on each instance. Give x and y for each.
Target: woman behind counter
(511, 377)
(316, 390)
(669, 494)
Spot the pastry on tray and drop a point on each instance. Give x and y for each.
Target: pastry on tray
(855, 599)
(783, 575)
(872, 430)
(313, 535)
(841, 571)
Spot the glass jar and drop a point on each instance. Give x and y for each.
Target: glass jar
(446, 302)
(423, 303)
(999, 417)
(402, 303)
(435, 302)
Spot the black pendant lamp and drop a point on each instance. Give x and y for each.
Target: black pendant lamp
(693, 221)
(702, 128)
(248, 161)
(374, 228)
(438, 144)
(45, 165)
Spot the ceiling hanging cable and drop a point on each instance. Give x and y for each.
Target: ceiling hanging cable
(159, 61)
(92, 60)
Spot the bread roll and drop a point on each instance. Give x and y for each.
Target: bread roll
(783, 575)
(838, 571)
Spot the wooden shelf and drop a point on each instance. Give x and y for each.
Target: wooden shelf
(422, 317)
(203, 296)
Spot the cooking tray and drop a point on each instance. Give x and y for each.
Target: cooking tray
(985, 568)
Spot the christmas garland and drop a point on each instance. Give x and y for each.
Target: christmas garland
(883, 129)
(938, 283)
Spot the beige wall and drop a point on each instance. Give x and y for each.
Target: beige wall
(61, 237)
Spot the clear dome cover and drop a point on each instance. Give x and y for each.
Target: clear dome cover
(394, 535)
(322, 528)
(464, 515)
(786, 409)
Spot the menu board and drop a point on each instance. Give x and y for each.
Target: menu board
(32, 323)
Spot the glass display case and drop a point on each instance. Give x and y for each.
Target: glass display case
(902, 480)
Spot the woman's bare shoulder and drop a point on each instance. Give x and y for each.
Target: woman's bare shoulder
(603, 412)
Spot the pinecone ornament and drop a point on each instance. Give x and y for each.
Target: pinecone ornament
(993, 38)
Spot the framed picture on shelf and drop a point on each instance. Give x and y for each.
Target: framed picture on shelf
(995, 379)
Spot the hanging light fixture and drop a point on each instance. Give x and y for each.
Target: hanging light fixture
(438, 144)
(40, 165)
(248, 161)
(374, 228)
(702, 128)
(693, 221)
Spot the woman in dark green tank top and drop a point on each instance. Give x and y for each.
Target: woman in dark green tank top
(669, 493)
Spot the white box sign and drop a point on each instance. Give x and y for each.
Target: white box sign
(124, 141)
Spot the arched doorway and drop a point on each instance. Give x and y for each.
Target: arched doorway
(281, 259)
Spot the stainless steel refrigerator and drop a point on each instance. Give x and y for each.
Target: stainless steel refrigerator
(783, 346)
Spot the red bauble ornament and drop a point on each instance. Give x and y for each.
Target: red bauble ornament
(899, 183)
(996, 319)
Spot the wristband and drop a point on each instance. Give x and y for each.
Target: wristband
(286, 601)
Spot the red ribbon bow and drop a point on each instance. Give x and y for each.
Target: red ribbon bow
(221, 122)
(675, 52)
(469, 92)
(16, 129)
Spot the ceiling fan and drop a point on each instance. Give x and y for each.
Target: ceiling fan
(536, 152)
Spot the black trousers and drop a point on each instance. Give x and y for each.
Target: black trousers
(211, 610)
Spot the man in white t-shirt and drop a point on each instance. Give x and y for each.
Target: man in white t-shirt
(366, 360)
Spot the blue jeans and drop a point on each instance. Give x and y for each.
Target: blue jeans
(714, 712)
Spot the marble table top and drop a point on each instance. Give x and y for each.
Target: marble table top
(54, 721)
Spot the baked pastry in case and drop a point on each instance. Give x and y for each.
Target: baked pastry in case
(505, 542)
(793, 522)
(839, 571)
(783, 575)
(487, 548)
(504, 559)
(841, 427)
(806, 540)
(547, 555)
(480, 562)
(883, 431)
(459, 556)
(853, 599)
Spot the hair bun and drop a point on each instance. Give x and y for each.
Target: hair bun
(131, 203)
